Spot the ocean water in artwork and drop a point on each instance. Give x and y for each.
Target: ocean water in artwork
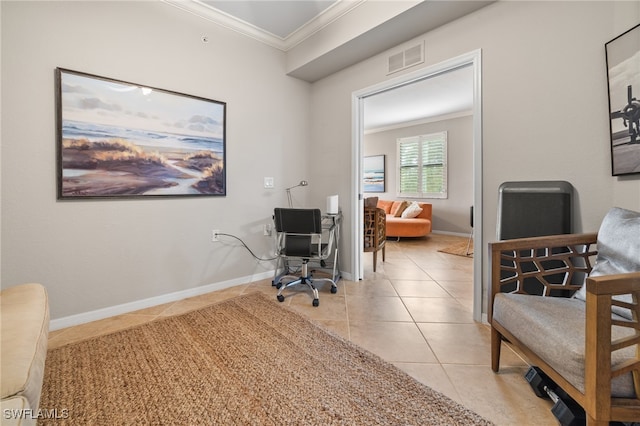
(373, 181)
(147, 139)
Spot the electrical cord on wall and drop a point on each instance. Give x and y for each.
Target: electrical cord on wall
(247, 247)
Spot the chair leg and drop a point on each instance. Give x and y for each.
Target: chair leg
(496, 345)
(283, 286)
(316, 297)
(276, 273)
(375, 260)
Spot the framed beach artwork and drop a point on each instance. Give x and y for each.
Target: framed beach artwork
(623, 77)
(125, 140)
(373, 173)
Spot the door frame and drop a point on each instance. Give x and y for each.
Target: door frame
(473, 58)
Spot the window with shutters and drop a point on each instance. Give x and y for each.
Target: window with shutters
(422, 166)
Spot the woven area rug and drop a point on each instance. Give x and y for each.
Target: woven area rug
(245, 361)
(462, 248)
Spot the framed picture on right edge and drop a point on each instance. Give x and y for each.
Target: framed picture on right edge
(623, 78)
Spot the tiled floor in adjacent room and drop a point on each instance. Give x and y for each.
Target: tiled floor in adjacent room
(415, 312)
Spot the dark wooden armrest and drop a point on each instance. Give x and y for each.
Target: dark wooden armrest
(553, 263)
(598, 334)
(614, 285)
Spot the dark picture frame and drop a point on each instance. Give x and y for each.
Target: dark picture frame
(117, 139)
(374, 173)
(623, 81)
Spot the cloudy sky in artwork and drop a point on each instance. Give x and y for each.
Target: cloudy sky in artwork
(102, 101)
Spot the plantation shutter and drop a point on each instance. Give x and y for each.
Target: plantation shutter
(422, 162)
(409, 170)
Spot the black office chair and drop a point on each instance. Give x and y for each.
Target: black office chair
(299, 238)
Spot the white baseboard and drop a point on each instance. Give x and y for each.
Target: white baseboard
(77, 319)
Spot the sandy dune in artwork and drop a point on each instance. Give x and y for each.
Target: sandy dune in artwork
(118, 167)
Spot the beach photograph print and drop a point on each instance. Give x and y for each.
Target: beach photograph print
(623, 72)
(373, 173)
(119, 139)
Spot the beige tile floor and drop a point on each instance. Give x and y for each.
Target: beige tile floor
(415, 312)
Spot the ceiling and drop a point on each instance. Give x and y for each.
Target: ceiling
(279, 18)
(442, 96)
(282, 24)
(285, 23)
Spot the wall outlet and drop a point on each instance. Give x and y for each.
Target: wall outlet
(267, 229)
(215, 233)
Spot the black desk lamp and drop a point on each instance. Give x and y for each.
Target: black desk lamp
(302, 183)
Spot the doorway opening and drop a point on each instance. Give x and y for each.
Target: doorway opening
(473, 60)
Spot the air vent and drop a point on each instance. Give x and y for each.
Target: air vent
(407, 58)
(396, 62)
(413, 55)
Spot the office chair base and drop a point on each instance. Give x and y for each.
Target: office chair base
(308, 280)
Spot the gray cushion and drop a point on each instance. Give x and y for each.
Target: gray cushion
(618, 250)
(554, 328)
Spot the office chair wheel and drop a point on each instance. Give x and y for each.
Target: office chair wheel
(280, 298)
(334, 290)
(316, 302)
(278, 285)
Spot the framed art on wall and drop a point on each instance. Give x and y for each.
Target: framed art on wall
(120, 139)
(373, 173)
(623, 78)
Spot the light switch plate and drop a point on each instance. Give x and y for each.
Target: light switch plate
(268, 182)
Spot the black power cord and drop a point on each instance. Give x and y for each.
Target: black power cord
(247, 247)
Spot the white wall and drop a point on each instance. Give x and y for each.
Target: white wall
(544, 117)
(544, 102)
(97, 254)
(451, 214)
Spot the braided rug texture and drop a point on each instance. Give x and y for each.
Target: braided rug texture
(244, 361)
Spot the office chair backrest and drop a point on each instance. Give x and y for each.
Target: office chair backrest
(298, 221)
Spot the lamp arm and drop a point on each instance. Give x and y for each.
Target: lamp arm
(302, 183)
(289, 197)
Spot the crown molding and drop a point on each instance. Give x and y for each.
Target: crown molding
(329, 15)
